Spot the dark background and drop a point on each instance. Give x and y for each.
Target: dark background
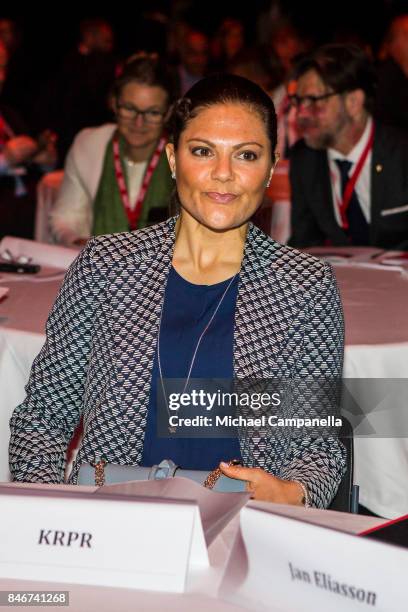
(48, 33)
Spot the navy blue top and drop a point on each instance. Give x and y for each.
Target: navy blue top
(187, 309)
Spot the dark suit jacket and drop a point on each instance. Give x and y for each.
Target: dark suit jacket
(313, 220)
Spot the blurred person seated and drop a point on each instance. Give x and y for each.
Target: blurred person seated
(392, 94)
(265, 70)
(253, 64)
(287, 43)
(193, 57)
(23, 159)
(26, 87)
(82, 86)
(19, 68)
(149, 32)
(227, 44)
(116, 175)
(349, 173)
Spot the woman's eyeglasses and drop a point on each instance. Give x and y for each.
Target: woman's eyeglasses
(130, 112)
(309, 101)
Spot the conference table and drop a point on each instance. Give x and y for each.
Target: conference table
(204, 589)
(374, 290)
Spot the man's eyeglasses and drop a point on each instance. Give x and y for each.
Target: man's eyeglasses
(130, 112)
(309, 101)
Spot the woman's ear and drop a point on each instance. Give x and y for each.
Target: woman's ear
(171, 157)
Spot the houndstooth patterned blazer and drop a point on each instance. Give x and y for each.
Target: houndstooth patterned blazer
(101, 339)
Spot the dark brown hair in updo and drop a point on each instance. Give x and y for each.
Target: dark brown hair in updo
(223, 89)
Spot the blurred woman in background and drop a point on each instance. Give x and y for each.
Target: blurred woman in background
(117, 176)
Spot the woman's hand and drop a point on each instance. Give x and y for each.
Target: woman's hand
(264, 486)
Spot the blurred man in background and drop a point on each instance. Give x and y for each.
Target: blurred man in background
(349, 174)
(194, 56)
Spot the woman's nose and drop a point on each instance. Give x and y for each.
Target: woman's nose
(222, 169)
(140, 120)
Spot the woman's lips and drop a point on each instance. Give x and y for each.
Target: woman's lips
(221, 197)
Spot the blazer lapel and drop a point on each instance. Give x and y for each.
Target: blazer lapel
(264, 314)
(140, 287)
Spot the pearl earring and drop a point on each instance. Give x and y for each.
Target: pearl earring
(173, 174)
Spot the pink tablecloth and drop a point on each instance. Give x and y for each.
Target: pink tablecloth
(375, 304)
(375, 299)
(374, 296)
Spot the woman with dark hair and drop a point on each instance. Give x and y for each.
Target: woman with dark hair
(117, 176)
(204, 295)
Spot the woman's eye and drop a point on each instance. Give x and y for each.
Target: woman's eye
(201, 151)
(248, 156)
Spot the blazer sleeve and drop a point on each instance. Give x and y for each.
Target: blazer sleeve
(304, 228)
(42, 426)
(319, 460)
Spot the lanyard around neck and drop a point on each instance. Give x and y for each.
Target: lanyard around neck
(133, 214)
(344, 203)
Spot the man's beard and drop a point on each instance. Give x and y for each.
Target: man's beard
(325, 139)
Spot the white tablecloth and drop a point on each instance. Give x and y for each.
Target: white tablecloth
(375, 303)
(23, 314)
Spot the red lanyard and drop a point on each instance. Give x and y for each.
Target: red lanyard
(134, 214)
(351, 183)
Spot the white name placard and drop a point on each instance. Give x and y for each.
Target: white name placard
(61, 536)
(285, 564)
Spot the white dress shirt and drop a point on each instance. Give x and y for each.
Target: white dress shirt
(363, 185)
(135, 173)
